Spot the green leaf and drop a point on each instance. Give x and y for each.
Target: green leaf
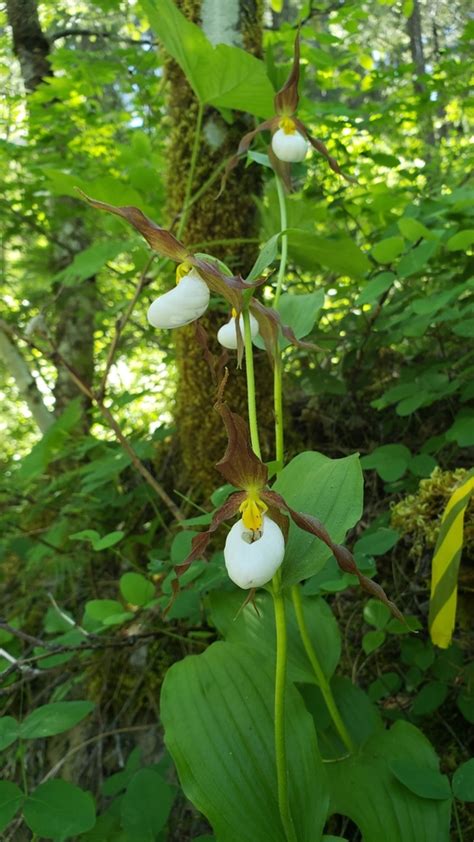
(257, 631)
(341, 255)
(427, 783)
(217, 711)
(390, 461)
(11, 798)
(362, 788)
(360, 716)
(375, 288)
(416, 258)
(58, 809)
(387, 250)
(136, 589)
(412, 229)
(55, 718)
(52, 444)
(101, 609)
(372, 640)
(88, 262)
(329, 489)
(462, 430)
(377, 543)
(98, 543)
(384, 686)
(222, 76)
(463, 781)
(8, 731)
(300, 311)
(430, 698)
(422, 465)
(461, 241)
(266, 256)
(376, 614)
(146, 805)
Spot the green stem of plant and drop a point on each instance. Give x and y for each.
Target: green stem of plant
(324, 685)
(284, 240)
(458, 823)
(192, 169)
(251, 398)
(280, 692)
(277, 373)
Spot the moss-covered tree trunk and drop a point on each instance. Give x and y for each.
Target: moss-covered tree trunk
(233, 216)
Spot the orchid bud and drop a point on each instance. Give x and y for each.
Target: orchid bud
(288, 144)
(183, 304)
(252, 557)
(227, 334)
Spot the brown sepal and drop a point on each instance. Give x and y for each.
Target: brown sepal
(239, 465)
(244, 146)
(249, 598)
(161, 240)
(200, 542)
(343, 556)
(286, 99)
(270, 324)
(320, 147)
(216, 363)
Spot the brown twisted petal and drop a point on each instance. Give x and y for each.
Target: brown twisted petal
(200, 542)
(320, 147)
(161, 240)
(282, 169)
(244, 146)
(239, 465)
(343, 556)
(270, 324)
(286, 100)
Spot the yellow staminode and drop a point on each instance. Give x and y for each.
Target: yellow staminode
(288, 125)
(182, 270)
(234, 313)
(252, 511)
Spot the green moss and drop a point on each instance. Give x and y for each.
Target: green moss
(418, 516)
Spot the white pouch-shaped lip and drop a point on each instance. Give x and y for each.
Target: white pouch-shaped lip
(183, 304)
(251, 565)
(289, 147)
(227, 334)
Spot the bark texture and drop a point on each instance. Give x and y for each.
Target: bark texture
(29, 42)
(200, 435)
(26, 384)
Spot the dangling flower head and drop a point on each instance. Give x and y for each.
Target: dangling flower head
(255, 545)
(290, 137)
(195, 276)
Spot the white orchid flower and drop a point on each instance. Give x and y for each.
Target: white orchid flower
(227, 334)
(184, 304)
(288, 143)
(252, 556)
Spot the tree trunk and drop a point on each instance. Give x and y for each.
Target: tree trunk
(74, 328)
(200, 436)
(415, 34)
(26, 384)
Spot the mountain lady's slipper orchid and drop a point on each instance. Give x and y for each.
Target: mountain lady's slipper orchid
(264, 516)
(252, 557)
(227, 334)
(290, 137)
(206, 271)
(183, 304)
(288, 144)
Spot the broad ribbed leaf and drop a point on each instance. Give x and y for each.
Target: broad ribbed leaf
(365, 789)
(329, 489)
(223, 76)
(217, 710)
(257, 630)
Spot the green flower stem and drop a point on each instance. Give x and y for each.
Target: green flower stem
(284, 240)
(251, 399)
(192, 169)
(277, 373)
(280, 690)
(324, 685)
